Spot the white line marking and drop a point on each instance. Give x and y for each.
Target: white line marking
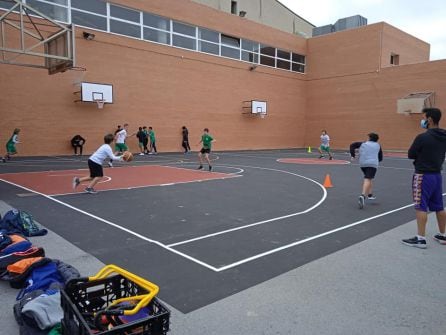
(116, 226)
(324, 196)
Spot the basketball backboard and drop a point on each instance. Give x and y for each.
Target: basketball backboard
(30, 38)
(415, 102)
(92, 92)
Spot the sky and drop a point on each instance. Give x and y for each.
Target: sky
(425, 20)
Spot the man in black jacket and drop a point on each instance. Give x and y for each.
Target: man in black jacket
(77, 142)
(428, 152)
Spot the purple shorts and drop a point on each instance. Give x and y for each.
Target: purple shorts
(427, 192)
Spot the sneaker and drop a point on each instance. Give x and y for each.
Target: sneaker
(361, 201)
(76, 182)
(141, 154)
(200, 167)
(321, 156)
(90, 190)
(331, 158)
(371, 197)
(210, 168)
(440, 238)
(3, 160)
(415, 242)
(110, 164)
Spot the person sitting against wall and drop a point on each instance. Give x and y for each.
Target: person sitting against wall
(77, 142)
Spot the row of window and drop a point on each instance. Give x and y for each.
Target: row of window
(108, 17)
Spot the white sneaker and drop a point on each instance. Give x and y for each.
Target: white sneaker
(141, 154)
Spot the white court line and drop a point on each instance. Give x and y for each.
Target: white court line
(142, 237)
(287, 246)
(324, 196)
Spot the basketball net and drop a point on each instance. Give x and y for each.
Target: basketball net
(100, 103)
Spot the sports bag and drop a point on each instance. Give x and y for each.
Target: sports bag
(21, 222)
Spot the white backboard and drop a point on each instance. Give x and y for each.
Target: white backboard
(93, 91)
(258, 107)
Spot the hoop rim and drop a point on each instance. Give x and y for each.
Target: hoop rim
(100, 103)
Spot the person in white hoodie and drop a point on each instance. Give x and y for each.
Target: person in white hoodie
(95, 164)
(370, 154)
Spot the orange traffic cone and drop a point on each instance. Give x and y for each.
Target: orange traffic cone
(327, 181)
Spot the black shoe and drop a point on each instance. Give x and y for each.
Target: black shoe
(3, 160)
(210, 168)
(321, 156)
(361, 201)
(200, 167)
(331, 158)
(415, 242)
(440, 238)
(90, 190)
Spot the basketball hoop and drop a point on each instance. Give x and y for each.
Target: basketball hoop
(100, 103)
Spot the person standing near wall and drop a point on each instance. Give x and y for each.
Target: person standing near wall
(145, 140)
(370, 154)
(185, 142)
(152, 137)
(141, 135)
(10, 145)
(428, 152)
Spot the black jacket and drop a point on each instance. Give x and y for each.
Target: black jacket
(428, 151)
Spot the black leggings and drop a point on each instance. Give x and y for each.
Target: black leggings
(186, 145)
(75, 149)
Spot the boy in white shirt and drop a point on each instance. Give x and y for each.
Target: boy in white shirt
(325, 145)
(95, 164)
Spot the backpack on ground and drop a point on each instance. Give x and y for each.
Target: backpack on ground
(18, 243)
(17, 256)
(21, 222)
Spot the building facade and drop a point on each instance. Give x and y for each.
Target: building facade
(267, 12)
(175, 63)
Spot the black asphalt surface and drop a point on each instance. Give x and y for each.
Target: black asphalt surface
(168, 215)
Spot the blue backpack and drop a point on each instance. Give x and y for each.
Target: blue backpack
(41, 278)
(20, 222)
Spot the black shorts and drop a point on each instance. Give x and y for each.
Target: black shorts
(205, 151)
(369, 172)
(95, 169)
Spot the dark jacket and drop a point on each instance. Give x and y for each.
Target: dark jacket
(428, 151)
(77, 140)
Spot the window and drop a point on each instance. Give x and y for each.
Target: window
(230, 52)
(184, 29)
(55, 12)
(124, 13)
(156, 21)
(283, 64)
(88, 20)
(234, 7)
(267, 50)
(208, 35)
(60, 2)
(209, 48)
(250, 45)
(6, 4)
(268, 61)
(394, 59)
(250, 56)
(298, 58)
(124, 28)
(283, 54)
(298, 67)
(95, 6)
(183, 42)
(230, 41)
(156, 36)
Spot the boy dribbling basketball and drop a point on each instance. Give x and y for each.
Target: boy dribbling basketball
(95, 165)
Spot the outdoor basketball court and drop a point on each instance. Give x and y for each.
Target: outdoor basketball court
(202, 236)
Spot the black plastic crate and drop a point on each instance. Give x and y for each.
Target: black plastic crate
(80, 300)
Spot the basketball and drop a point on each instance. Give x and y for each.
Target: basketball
(127, 156)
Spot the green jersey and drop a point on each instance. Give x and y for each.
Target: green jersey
(152, 135)
(207, 140)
